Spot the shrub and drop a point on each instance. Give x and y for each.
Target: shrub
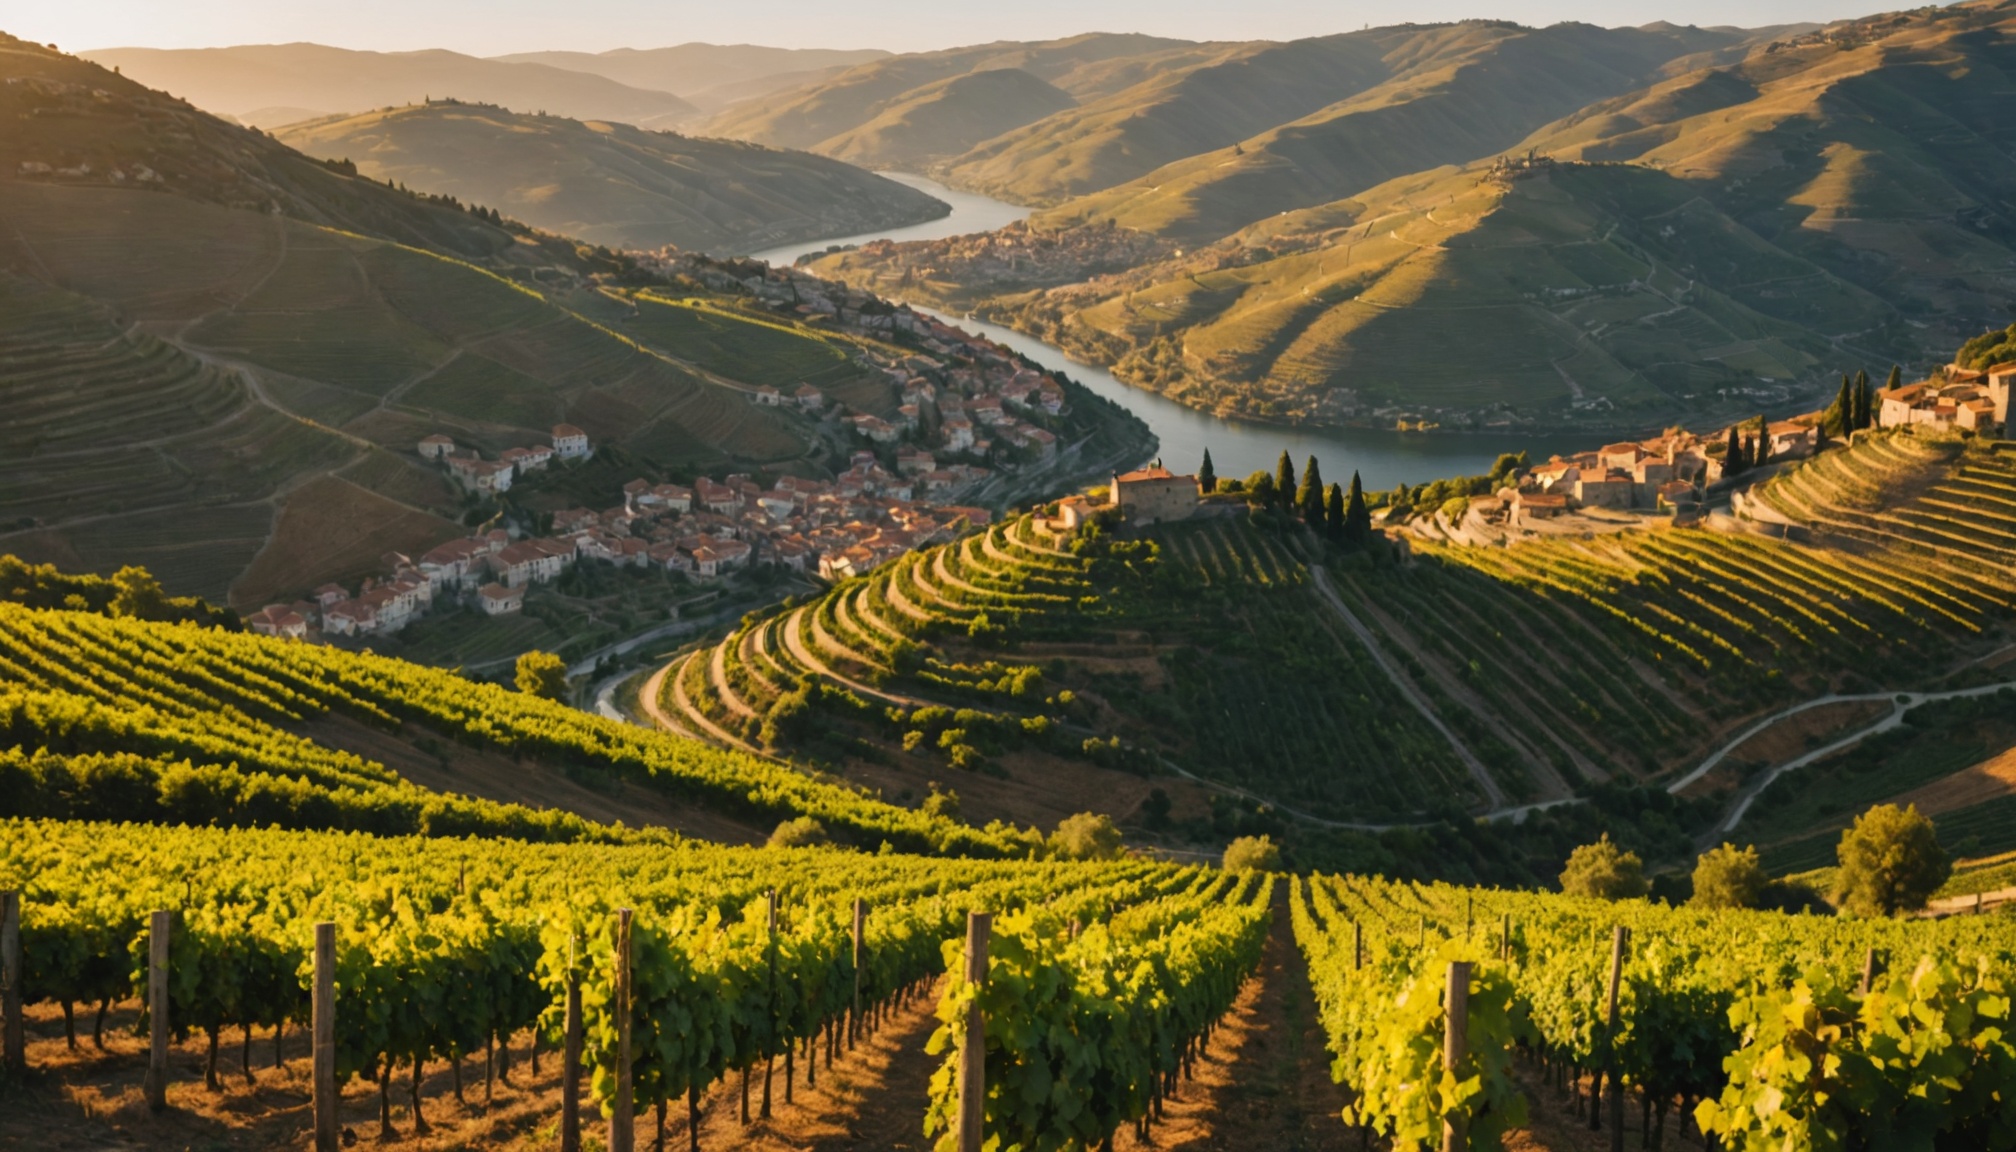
(944, 804)
(1086, 836)
(1252, 854)
(1604, 871)
(1891, 862)
(1729, 877)
(801, 832)
(542, 674)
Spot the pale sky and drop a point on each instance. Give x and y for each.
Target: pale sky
(493, 27)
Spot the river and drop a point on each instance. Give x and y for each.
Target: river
(1381, 458)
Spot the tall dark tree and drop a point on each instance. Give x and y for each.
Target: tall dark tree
(1841, 413)
(1333, 514)
(1357, 517)
(1866, 400)
(1896, 379)
(1761, 452)
(1309, 497)
(1732, 456)
(1207, 476)
(1820, 438)
(1284, 481)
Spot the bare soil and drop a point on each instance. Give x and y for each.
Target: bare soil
(331, 529)
(1988, 780)
(1040, 789)
(871, 1099)
(1796, 735)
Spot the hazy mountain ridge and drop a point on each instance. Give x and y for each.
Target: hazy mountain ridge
(614, 184)
(303, 326)
(242, 80)
(823, 115)
(709, 75)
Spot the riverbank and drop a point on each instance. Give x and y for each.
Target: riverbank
(1382, 458)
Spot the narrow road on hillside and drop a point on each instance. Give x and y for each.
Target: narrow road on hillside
(1902, 703)
(1407, 688)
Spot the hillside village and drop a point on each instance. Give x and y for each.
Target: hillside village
(705, 532)
(992, 407)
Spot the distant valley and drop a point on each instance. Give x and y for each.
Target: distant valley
(220, 352)
(614, 184)
(1472, 225)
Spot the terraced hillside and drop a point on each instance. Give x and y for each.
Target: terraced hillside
(1361, 688)
(218, 353)
(1019, 651)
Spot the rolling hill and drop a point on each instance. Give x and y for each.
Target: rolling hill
(219, 352)
(709, 75)
(836, 111)
(273, 84)
(612, 184)
(1568, 227)
(1605, 294)
(1259, 660)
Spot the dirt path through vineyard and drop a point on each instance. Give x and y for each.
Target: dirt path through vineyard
(1264, 1082)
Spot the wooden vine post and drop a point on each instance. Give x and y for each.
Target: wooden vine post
(1872, 967)
(770, 1028)
(854, 1016)
(1357, 945)
(973, 1052)
(570, 1069)
(1505, 940)
(1620, 938)
(13, 1034)
(155, 1086)
(1455, 1046)
(622, 1117)
(322, 1043)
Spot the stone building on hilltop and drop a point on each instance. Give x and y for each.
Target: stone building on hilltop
(1153, 495)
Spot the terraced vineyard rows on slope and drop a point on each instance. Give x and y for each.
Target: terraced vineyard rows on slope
(1554, 663)
(1016, 644)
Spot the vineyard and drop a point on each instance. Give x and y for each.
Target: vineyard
(1259, 658)
(118, 719)
(1204, 647)
(1091, 1002)
(738, 960)
(1759, 1029)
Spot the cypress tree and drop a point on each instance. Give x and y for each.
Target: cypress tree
(1732, 457)
(1762, 451)
(1284, 481)
(1309, 498)
(1843, 410)
(1207, 476)
(1896, 379)
(1820, 438)
(1333, 514)
(1865, 403)
(1357, 517)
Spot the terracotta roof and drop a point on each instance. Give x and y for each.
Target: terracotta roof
(1153, 472)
